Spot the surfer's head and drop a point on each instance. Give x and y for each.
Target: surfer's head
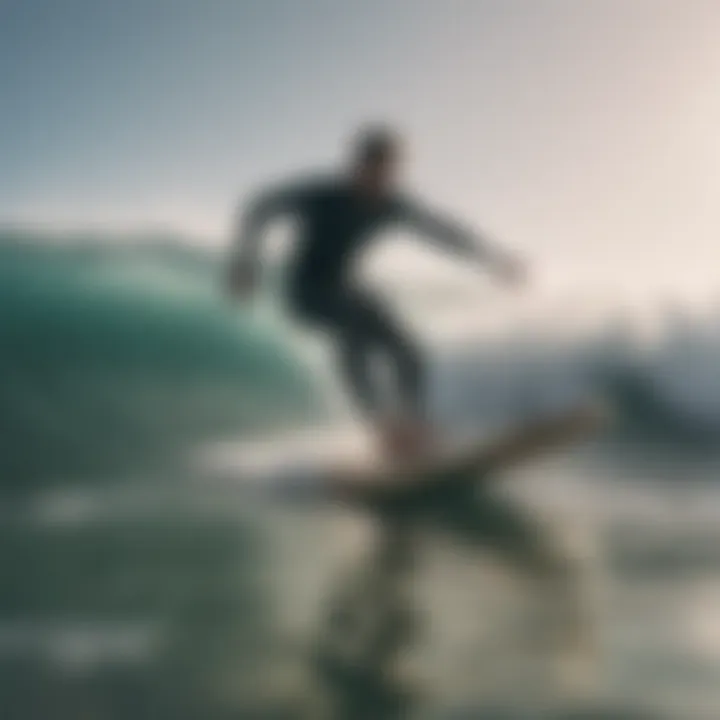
(376, 157)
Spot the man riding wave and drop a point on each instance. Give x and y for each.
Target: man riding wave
(338, 217)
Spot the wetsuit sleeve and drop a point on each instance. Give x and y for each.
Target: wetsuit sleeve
(256, 214)
(444, 231)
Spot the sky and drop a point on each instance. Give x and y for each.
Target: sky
(584, 134)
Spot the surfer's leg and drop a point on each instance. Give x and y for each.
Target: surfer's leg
(367, 331)
(355, 361)
(370, 331)
(363, 331)
(344, 320)
(396, 347)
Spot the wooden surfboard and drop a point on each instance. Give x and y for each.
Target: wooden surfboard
(451, 469)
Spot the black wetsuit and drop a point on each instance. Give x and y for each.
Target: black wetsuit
(335, 225)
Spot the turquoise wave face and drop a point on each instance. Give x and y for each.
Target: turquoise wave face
(118, 354)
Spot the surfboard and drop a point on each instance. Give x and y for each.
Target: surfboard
(319, 467)
(394, 485)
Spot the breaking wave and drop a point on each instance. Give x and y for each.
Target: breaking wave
(116, 353)
(119, 352)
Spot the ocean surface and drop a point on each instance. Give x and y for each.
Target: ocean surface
(134, 585)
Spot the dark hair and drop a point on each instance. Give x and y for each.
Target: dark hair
(375, 144)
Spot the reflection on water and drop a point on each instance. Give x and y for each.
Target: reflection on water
(162, 600)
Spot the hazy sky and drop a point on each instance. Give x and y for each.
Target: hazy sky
(586, 132)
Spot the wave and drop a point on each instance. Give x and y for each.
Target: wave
(119, 352)
(116, 353)
(665, 395)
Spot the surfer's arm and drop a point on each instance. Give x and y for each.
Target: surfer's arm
(250, 226)
(450, 234)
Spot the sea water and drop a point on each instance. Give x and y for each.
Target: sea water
(135, 585)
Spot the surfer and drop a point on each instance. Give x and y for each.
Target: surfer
(338, 217)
